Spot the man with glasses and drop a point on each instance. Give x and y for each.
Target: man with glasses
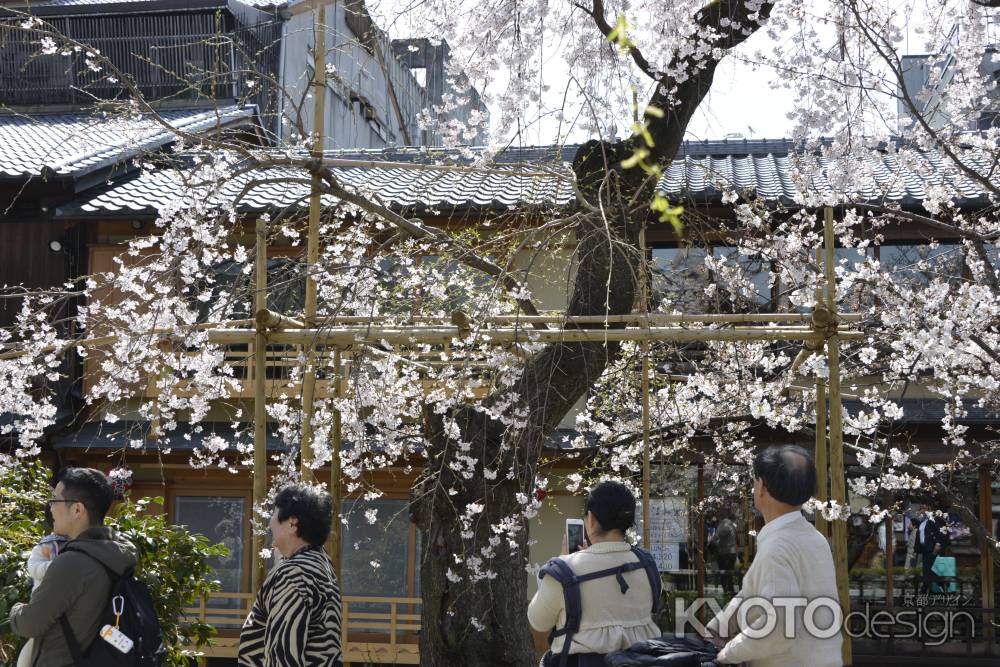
(77, 584)
(793, 568)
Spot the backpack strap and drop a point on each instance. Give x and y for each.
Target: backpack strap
(71, 641)
(648, 563)
(560, 570)
(74, 646)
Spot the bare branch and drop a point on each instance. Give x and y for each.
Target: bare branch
(597, 13)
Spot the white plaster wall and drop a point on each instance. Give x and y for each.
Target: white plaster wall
(545, 531)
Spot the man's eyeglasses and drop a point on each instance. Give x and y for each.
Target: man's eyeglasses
(62, 500)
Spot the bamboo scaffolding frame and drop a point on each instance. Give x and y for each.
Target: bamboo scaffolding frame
(259, 406)
(312, 243)
(279, 329)
(837, 482)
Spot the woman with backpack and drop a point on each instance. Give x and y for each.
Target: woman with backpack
(601, 598)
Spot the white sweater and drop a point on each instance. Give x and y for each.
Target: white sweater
(610, 620)
(793, 561)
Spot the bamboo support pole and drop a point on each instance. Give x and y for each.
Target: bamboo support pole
(18, 350)
(312, 242)
(700, 551)
(890, 553)
(445, 168)
(822, 461)
(633, 318)
(646, 467)
(269, 319)
(347, 336)
(335, 482)
(344, 337)
(837, 481)
(259, 406)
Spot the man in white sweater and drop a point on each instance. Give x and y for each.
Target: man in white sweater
(793, 568)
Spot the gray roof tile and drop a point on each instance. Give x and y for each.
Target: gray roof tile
(769, 169)
(97, 4)
(70, 144)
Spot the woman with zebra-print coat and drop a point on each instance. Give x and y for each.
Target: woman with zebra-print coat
(295, 618)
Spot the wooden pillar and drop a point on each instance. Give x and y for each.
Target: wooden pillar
(700, 552)
(822, 461)
(986, 564)
(838, 484)
(312, 240)
(822, 464)
(890, 556)
(334, 543)
(259, 406)
(750, 544)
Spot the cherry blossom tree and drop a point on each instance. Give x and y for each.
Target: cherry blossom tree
(479, 414)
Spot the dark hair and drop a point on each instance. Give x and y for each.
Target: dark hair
(312, 506)
(613, 506)
(788, 473)
(92, 488)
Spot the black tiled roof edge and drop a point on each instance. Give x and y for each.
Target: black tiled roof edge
(762, 168)
(119, 435)
(82, 7)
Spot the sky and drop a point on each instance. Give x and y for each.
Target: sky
(741, 103)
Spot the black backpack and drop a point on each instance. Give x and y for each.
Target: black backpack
(135, 617)
(560, 570)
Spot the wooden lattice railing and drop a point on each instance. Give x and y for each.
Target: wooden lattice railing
(374, 629)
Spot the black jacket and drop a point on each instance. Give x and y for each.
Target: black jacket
(934, 534)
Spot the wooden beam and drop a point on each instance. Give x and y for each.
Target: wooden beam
(312, 241)
(633, 318)
(259, 408)
(347, 336)
(335, 475)
(890, 556)
(837, 481)
(986, 564)
(822, 459)
(644, 369)
(700, 552)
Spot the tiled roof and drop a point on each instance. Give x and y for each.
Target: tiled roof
(774, 170)
(402, 188)
(933, 410)
(139, 5)
(770, 169)
(72, 144)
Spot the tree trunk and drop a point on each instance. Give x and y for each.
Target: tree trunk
(470, 621)
(551, 383)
